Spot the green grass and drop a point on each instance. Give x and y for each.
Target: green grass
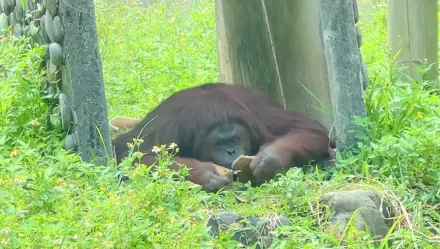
(150, 53)
(50, 199)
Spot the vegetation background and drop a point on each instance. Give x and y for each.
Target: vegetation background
(49, 199)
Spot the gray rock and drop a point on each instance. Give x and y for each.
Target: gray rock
(71, 142)
(248, 231)
(3, 4)
(221, 221)
(38, 38)
(5, 7)
(37, 14)
(32, 28)
(51, 6)
(43, 29)
(11, 3)
(48, 24)
(66, 114)
(56, 54)
(57, 29)
(3, 23)
(373, 213)
(12, 19)
(18, 11)
(52, 70)
(17, 30)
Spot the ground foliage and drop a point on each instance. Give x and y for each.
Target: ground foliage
(50, 199)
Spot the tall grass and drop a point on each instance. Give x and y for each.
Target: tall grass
(50, 199)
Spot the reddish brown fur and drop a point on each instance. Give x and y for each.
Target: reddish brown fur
(187, 116)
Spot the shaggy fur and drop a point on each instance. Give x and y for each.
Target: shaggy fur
(188, 115)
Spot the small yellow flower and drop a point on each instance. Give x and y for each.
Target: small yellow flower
(14, 152)
(58, 241)
(19, 179)
(4, 241)
(107, 243)
(129, 145)
(110, 225)
(172, 145)
(155, 149)
(6, 230)
(137, 154)
(34, 122)
(59, 188)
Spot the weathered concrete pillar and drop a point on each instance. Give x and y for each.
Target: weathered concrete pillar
(304, 54)
(74, 86)
(83, 81)
(343, 67)
(413, 38)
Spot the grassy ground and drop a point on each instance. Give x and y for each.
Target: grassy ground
(49, 199)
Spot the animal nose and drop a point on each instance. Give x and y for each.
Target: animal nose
(231, 152)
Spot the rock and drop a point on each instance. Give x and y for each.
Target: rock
(18, 11)
(52, 73)
(66, 114)
(17, 30)
(12, 20)
(221, 221)
(51, 6)
(37, 14)
(247, 231)
(11, 3)
(56, 54)
(3, 4)
(32, 28)
(57, 29)
(372, 214)
(44, 34)
(48, 22)
(71, 142)
(3, 23)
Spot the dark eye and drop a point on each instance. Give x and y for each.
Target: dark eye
(219, 143)
(235, 140)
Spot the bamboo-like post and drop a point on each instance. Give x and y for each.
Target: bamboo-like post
(412, 36)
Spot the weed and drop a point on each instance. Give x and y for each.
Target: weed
(50, 199)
